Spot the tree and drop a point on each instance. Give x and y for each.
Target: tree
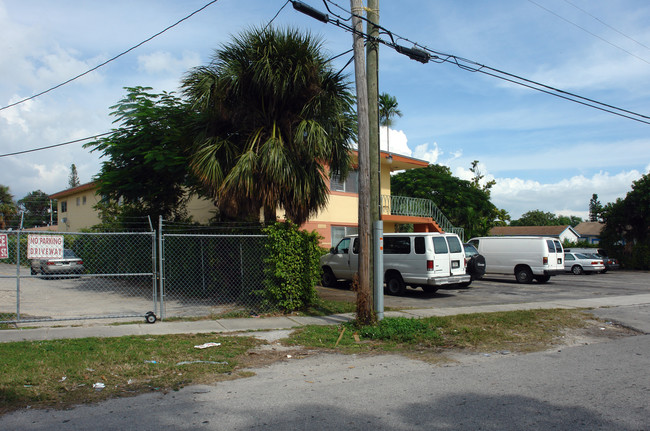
(73, 179)
(387, 111)
(36, 209)
(273, 116)
(595, 208)
(627, 225)
(147, 166)
(536, 218)
(8, 208)
(478, 176)
(463, 204)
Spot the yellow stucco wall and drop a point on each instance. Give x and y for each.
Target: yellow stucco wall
(80, 213)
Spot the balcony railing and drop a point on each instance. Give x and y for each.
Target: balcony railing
(416, 207)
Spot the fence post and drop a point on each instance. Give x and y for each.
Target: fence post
(161, 272)
(22, 215)
(154, 265)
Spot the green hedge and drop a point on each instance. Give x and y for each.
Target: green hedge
(292, 266)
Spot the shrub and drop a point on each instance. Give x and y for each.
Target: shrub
(291, 267)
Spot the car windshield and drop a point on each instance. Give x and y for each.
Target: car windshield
(470, 250)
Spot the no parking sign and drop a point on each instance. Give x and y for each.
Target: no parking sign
(4, 249)
(44, 246)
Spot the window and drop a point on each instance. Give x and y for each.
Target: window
(397, 245)
(551, 247)
(558, 246)
(78, 201)
(440, 245)
(64, 206)
(420, 247)
(350, 185)
(454, 244)
(83, 200)
(343, 246)
(569, 257)
(338, 232)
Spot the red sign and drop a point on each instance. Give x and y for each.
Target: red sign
(45, 246)
(4, 250)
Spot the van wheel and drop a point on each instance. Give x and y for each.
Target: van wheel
(328, 279)
(395, 285)
(542, 278)
(523, 274)
(577, 270)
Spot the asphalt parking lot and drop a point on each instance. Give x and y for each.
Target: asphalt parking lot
(505, 290)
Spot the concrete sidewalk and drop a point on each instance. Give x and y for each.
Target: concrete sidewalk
(627, 310)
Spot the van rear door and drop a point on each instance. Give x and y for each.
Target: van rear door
(441, 263)
(456, 255)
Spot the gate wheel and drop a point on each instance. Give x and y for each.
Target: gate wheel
(150, 317)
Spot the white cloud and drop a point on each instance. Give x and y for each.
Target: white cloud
(397, 141)
(567, 197)
(164, 62)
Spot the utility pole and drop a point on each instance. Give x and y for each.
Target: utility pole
(372, 73)
(364, 306)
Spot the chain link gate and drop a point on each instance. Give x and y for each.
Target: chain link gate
(116, 278)
(211, 275)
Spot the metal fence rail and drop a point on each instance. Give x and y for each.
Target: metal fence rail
(208, 274)
(117, 278)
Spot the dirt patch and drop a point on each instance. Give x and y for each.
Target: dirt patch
(594, 332)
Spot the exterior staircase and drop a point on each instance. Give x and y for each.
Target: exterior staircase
(416, 207)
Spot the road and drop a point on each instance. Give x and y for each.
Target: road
(505, 290)
(588, 386)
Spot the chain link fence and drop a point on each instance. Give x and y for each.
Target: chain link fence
(100, 276)
(121, 275)
(212, 274)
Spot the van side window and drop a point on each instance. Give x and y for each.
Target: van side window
(558, 246)
(551, 247)
(343, 246)
(474, 242)
(439, 245)
(454, 244)
(420, 248)
(397, 245)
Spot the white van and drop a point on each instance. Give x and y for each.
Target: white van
(427, 260)
(527, 257)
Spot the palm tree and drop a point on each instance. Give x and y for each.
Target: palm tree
(273, 117)
(387, 111)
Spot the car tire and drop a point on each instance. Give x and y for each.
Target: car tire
(523, 274)
(577, 270)
(328, 279)
(542, 278)
(395, 285)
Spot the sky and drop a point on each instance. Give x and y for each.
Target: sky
(543, 152)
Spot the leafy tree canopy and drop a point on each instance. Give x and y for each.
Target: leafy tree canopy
(73, 179)
(595, 208)
(36, 209)
(541, 218)
(627, 225)
(8, 208)
(465, 204)
(273, 115)
(147, 166)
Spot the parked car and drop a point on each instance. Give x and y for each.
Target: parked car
(611, 263)
(474, 262)
(69, 264)
(428, 260)
(579, 263)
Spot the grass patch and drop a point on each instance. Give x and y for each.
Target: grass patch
(62, 372)
(517, 331)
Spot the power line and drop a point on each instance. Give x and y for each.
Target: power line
(607, 25)
(276, 15)
(589, 32)
(109, 60)
(424, 55)
(56, 145)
